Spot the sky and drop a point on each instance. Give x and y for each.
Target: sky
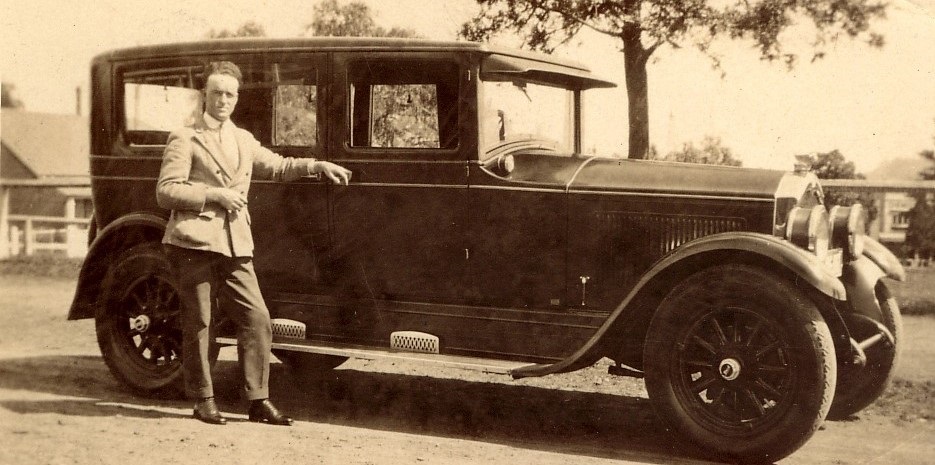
(871, 104)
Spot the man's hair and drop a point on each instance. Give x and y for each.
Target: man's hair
(222, 67)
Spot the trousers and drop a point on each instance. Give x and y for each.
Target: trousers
(214, 284)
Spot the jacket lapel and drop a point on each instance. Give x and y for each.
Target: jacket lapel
(244, 156)
(211, 146)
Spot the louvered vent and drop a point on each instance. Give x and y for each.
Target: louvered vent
(664, 233)
(414, 341)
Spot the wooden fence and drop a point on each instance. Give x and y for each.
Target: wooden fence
(29, 234)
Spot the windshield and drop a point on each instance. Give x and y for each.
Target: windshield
(525, 114)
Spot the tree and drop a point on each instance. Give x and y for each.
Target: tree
(711, 152)
(928, 174)
(920, 236)
(403, 115)
(354, 19)
(247, 29)
(833, 165)
(642, 26)
(9, 99)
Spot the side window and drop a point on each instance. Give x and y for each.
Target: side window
(156, 101)
(295, 111)
(410, 105)
(277, 103)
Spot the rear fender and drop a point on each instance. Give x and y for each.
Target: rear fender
(737, 246)
(120, 234)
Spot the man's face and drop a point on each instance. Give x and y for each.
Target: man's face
(221, 96)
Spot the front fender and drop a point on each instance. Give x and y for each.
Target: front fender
(862, 275)
(886, 260)
(121, 233)
(774, 250)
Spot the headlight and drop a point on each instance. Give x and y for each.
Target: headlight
(809, 228)
(848, 229)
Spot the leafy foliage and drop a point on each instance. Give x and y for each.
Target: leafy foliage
(296, 117)
(642, 26)
(833, 165)
(405, 116)
(247, 29)
(400, 113)
(920, 237)
(711, 152)
(354, 19)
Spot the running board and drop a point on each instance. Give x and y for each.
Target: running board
(485, 365)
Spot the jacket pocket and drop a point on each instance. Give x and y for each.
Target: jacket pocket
(194, 228)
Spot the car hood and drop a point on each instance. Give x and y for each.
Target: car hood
(645, 176)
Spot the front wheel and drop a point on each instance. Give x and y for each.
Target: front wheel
(740, 362)
(860, 386)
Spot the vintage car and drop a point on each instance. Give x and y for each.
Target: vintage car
(476, 234)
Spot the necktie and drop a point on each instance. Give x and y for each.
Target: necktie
(228, 146)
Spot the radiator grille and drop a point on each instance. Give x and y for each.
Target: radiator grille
(288, 328)
(414, 341)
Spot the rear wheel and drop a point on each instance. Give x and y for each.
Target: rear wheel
(740, 362)
(138, 322)
(860, 386)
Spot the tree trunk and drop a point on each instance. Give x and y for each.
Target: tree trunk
(634, 59)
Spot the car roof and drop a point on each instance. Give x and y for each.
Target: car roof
(325, 44)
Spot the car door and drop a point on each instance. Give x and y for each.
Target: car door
(280, 102)
(396, 229)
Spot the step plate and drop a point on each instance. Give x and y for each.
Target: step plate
(414, 341)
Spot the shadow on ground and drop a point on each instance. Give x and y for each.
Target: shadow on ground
(594, 424)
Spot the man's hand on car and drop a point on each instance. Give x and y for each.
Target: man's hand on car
(337, 174)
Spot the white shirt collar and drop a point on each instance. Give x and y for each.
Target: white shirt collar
(212, 122)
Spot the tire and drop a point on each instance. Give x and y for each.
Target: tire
(137, 321)
(858, 386)
(308, 370)
(739, 362)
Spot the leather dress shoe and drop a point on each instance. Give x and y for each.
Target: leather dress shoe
(207, 411)
(263, 411)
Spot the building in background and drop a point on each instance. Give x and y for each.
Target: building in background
(893, 199)
(51, 152)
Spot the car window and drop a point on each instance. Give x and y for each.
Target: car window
(403, 105)
(156, 101)
(278, 103)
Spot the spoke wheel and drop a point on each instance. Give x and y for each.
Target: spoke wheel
(740, 362)
(860, 386)
(735, 370)
(137, 322)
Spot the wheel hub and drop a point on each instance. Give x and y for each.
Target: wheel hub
(729, 369)
(140, 323)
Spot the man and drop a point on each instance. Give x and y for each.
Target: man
(204, 180)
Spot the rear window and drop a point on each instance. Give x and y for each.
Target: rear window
(278, 103)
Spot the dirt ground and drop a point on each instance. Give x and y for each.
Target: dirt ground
(59, 405)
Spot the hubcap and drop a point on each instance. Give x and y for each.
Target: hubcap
(729, 369)
(152, 335)
(735, 369)
(140, 323)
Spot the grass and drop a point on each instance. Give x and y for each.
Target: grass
(42, 265)
(916, 296)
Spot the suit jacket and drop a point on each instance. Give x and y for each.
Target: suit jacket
(191, 164)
